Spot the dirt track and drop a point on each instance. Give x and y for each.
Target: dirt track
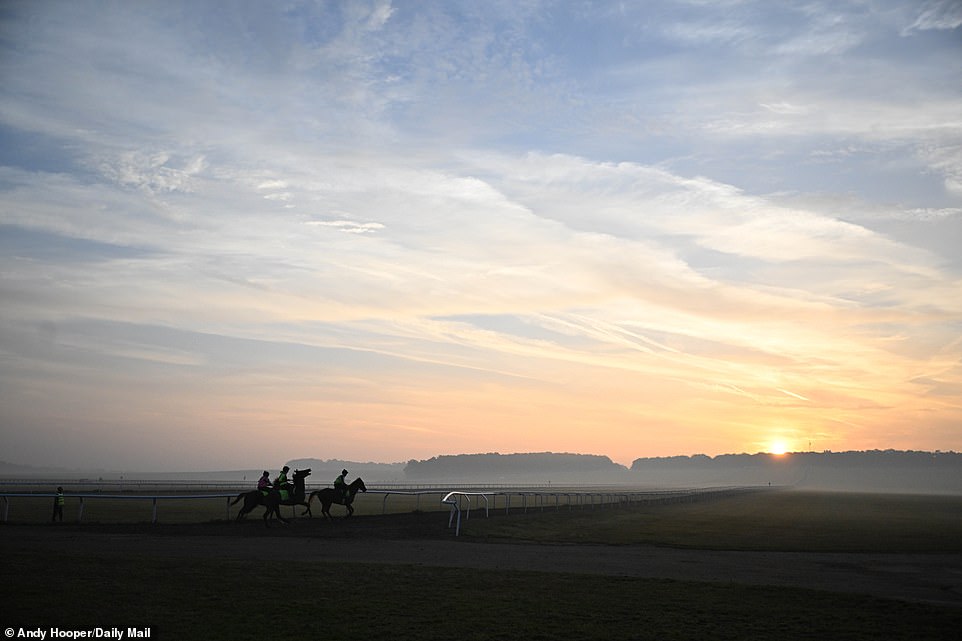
(423, 539)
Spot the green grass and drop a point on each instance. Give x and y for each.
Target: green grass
(212, 599)
(776, 520)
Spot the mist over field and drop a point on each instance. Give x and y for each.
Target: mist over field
(870, 471)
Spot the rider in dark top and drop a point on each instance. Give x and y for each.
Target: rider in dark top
(340, 487)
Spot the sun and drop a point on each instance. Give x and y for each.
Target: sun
(778, 448)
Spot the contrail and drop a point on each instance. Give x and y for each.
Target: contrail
(785, 391)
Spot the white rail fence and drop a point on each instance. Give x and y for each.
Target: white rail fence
(6, 498)
(181, 485)
(459, 502)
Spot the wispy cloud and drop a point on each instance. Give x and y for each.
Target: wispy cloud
(936, 14)
(347, 226)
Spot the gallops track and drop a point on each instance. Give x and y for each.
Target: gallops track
(423, 539)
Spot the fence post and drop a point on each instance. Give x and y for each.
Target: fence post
(80, 511)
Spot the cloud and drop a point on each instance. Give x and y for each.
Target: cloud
(154, 173)
(678, 213)
(937, 15)
(347, 226)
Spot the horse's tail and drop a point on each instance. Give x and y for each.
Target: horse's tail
(311, 497)
(239, 497)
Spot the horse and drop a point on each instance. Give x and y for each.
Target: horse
(273, 499)
(326, 497)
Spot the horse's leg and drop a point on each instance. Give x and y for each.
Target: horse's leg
(267, 513)
(245, 510)
(277, 513)
(308, 510)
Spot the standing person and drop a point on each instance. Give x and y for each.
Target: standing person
(58, 502)
(340, 487)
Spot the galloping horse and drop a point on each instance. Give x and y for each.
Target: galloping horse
(326, 496)
(273, 499)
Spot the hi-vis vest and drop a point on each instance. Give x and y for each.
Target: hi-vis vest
(59, 498)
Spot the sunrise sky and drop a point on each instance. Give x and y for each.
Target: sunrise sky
(233, 234)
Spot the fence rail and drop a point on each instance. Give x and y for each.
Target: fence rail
(124, 485)
(122, 497)
(7, 497)
(459, 502)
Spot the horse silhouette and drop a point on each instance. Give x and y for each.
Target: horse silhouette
(326, 497)
(273, 500)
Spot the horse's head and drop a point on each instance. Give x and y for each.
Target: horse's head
(360, 485)
(301, 474)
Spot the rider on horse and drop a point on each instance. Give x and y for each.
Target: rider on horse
(281, 482)
(340, 487)
(264, 484)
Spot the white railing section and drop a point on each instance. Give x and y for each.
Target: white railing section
(139, 485)
(5, 498)
(415, 493)
(125, 497)
(455, 499)
(458, 500)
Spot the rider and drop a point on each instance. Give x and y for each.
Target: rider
(340, 487)
(264, 484)
(281, 482)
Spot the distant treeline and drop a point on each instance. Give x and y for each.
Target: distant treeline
(494, 465)
(874, 470)
(867, 458)
(871, 470)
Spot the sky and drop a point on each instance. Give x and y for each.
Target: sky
(237, 233)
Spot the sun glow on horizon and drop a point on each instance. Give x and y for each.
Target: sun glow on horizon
(778, 448)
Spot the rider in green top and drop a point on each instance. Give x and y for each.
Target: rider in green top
(340, 487)
(281, 482)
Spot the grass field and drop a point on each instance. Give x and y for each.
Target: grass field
(198, 598)
(776, 520)
(785, 520)
(240, 600)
